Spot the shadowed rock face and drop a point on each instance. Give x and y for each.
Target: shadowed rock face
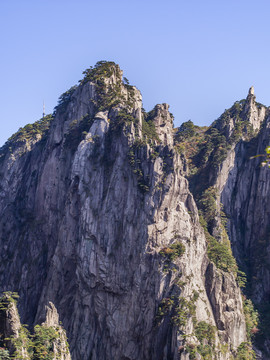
(89, 213)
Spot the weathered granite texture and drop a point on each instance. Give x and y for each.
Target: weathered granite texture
(16, 340)
(242, 182)
(85, 221)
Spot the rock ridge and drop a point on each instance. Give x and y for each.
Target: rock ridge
(101, 205)
(230, 184)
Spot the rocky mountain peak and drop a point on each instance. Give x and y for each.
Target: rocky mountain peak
(251, 90)
(60, 346)
(97, 222)
(163, 121)
(251, 97)
(52, 317)
(255, 114)
(243, 120)
(102, 90)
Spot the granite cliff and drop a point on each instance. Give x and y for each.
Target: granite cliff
(98, 219)
(48, 341)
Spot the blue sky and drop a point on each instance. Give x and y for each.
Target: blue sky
(198, 56)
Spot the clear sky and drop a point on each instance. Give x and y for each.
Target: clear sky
(198, 56)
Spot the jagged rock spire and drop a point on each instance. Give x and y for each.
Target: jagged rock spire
(251, 90)
(254, 113)
(52, 317)
(164, 124)
(60, 347)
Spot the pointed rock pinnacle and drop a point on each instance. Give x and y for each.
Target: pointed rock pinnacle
(251, 91)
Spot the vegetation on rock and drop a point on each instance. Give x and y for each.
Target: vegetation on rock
(44, 344)
(205, 151)
(64, 100)
(219, 250)
(174, 251)
(149, 132)
(245, 352)
(205, 148)
(77, 131)
(252, 318)
(179, 310)
(29, 132)
(4, 354)
(108, 94)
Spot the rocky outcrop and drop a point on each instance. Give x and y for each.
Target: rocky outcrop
(243, 184)
(60, 347)
(11, 329)
(49, 339)
(227, 308)
(163, 121)
(254, 113)
(97, 218)
(245, 196)
(241, 180)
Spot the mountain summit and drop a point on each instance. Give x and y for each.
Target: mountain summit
(125, 225)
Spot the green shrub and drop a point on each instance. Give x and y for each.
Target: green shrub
(241, 279)
(135, 162)
(221, 255)
(64, 100)
(173, 251)
(207, 204)
(29, 131)
(251, 317)
(179, 309)
(245, 352)
(186, 130)
(7, 298)
(43, 340)
(219, 252)
(22, 343)
(164, 308)
(183, 310)
(78, 129)
(149, 131)
(102, 69)
(4, 354)
(189, 139)
(107, 95)
(206, 351)
(192, 350)
(123, 118)
(205, 331)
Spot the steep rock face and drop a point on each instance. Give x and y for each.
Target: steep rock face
(229, 320)
(246, 196)
(103, 225)
(242, 192)
(244, 187)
